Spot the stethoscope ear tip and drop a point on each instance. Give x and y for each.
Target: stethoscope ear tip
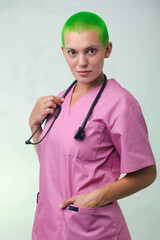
(80, 134)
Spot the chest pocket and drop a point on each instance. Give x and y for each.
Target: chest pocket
(87, 148)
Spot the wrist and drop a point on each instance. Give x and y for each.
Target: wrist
(103, 196)
(33, 125)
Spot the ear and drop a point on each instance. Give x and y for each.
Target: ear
(108, 49)
(62, 49)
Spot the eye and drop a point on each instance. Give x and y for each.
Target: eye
(71, 52)
(92, 51)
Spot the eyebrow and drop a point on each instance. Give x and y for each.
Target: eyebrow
(92, 46)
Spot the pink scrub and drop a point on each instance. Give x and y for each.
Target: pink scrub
(116, 142)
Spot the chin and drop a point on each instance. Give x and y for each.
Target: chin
(86, 79)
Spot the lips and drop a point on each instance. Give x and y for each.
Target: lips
(83, 73)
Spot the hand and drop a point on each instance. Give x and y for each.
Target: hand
(88, 200)
(44, 106)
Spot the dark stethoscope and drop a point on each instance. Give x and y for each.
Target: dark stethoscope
(80, 134)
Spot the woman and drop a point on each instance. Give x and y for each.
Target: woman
(79, 180)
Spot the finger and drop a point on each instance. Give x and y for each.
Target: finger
(53, 98)
(48, 110)
(57, 100)
(66, 203)
(50, 104)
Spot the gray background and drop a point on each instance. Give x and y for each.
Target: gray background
(32, 65)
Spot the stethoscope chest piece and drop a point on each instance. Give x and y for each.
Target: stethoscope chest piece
(80, 134)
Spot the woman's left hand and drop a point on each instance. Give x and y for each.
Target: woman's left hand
(88, 200)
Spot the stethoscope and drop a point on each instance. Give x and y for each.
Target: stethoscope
(80, 134)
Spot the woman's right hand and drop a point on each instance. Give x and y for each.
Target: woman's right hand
(44, 106)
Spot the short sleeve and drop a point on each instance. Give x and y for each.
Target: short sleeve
(130, 137)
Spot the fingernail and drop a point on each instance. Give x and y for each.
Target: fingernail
(60, 205)
(62, 99)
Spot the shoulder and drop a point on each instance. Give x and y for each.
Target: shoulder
(116, 103)
(60, 94)
(119, 98)
(120, 93)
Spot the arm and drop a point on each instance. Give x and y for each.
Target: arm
(129, 184)
(44, 106)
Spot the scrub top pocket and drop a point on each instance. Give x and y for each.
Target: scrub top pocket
(86, 149)
(91, 223)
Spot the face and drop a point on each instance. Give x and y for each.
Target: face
(84, 54)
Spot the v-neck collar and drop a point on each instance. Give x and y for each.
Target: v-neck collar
(69, 109)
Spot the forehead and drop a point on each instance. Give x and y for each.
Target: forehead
(83, 39)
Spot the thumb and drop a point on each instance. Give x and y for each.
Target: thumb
(66, 203)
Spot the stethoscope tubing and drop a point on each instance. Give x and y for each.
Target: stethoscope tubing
(80, 133)
(58, 110)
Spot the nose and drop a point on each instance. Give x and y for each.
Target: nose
(82, 61)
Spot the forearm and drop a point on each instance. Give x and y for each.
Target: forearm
(37, 135)
(130, 184)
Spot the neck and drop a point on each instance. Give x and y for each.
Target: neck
(83, 88)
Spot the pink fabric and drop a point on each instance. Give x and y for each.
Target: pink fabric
(116, 142)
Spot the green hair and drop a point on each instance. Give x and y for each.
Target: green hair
(86, 21)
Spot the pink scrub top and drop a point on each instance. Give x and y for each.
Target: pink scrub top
(116, 142)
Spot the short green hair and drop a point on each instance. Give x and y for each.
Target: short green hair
(86, 21)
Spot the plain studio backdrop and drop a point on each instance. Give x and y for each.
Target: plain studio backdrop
(32, 65)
